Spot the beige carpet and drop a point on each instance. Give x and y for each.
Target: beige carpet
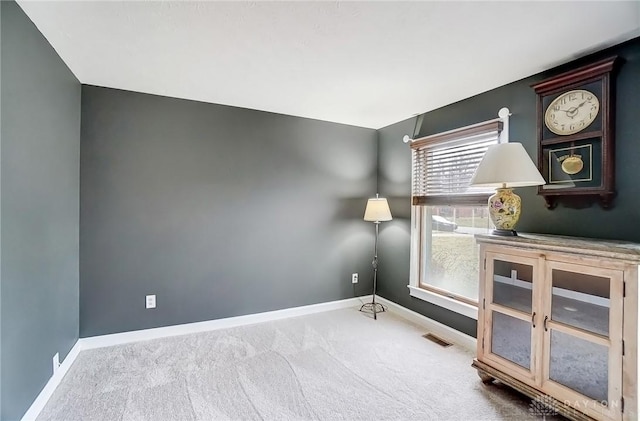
(338, 365)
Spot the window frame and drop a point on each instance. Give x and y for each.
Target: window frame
(438, 296)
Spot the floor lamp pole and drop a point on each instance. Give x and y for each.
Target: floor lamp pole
(373, 306)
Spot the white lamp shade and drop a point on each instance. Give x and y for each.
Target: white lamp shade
(377, 210)
(508, 165)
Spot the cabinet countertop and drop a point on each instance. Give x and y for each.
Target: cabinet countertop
(624, 250)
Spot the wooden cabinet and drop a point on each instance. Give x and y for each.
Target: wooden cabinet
(558, 320)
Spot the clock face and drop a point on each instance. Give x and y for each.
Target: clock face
(572, 112)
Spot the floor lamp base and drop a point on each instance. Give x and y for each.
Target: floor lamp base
(374, 308)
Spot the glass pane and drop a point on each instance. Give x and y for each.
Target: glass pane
(511, 339)
(451, 252)
(581, 300)
(580, 365)
(513, 285)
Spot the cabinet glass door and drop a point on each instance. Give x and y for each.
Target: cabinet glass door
(511, 339)
(579, 364)
(583, 336)
(509, 297)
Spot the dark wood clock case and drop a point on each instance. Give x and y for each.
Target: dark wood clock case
(594, 144)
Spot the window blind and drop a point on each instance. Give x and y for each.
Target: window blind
(443, 165)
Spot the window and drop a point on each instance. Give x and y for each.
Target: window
(446, 214)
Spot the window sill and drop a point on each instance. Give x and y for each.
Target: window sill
(445, 302)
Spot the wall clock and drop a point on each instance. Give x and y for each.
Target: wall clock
(575, 121)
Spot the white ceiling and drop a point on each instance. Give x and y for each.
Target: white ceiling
(367, 64)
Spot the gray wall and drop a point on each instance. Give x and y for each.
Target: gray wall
(40, 148)
(0, 214)
(621, 222)
(219, 211)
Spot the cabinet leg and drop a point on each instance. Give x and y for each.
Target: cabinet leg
(486, 379)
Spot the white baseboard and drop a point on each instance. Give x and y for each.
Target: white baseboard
(444, 331)
(209, 325)
(42, 399)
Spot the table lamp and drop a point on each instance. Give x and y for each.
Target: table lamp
(504, 166)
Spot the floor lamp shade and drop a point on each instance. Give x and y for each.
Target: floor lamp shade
(377, 210)
(504, 166)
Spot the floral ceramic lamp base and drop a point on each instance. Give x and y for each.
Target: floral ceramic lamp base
(504, 211)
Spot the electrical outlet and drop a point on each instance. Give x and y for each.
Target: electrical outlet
(151, 301)
(56, 362)
(354, 278)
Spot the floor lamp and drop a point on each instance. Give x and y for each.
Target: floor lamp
(377, 211)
